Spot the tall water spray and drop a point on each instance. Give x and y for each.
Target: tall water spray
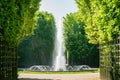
(59, 50)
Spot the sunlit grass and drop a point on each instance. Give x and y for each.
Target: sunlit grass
(59, 72)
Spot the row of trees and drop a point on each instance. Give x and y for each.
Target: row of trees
(102, 26)
(37, 49)
(95, 22)
(79, 50)
(101, 18)
(17, 19)
(16, 22)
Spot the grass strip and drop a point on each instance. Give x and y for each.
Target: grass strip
(58, 72)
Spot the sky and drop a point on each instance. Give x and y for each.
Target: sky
(59, 8)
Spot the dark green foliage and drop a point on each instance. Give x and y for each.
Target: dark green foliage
(8, 65)
(80, 51)
(37, 49)
(16, 19)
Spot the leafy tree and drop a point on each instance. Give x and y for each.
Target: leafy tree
(101, 19)
(37, 49)
(78, 48)
(17, 19)
(107, 19)
(86, 14)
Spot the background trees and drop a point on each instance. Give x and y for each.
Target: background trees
(79, 50)
(37, 49)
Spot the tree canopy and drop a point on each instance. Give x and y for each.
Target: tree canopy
(17, 19)
(77, 46)
(37, 49)
(101, 19)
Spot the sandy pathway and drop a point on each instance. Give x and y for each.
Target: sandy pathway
(89, 76)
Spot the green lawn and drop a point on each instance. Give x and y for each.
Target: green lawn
(59, 72)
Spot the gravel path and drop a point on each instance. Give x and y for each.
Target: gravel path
(89, 76)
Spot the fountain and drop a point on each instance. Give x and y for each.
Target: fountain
(52, 68)
(59, 60)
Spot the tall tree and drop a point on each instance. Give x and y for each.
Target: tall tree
(17, 19)
(101, 19)
(37, 49)
(78, 48)
(102, 27)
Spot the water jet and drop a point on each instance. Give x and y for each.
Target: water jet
(59, 60)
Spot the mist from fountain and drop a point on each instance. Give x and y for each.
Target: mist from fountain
(59, 60)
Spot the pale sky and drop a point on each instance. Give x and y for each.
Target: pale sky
(58, 8)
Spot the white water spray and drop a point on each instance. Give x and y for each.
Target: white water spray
(59, 50)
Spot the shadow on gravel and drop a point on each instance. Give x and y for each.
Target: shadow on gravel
(33, 79)
(36, 79)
